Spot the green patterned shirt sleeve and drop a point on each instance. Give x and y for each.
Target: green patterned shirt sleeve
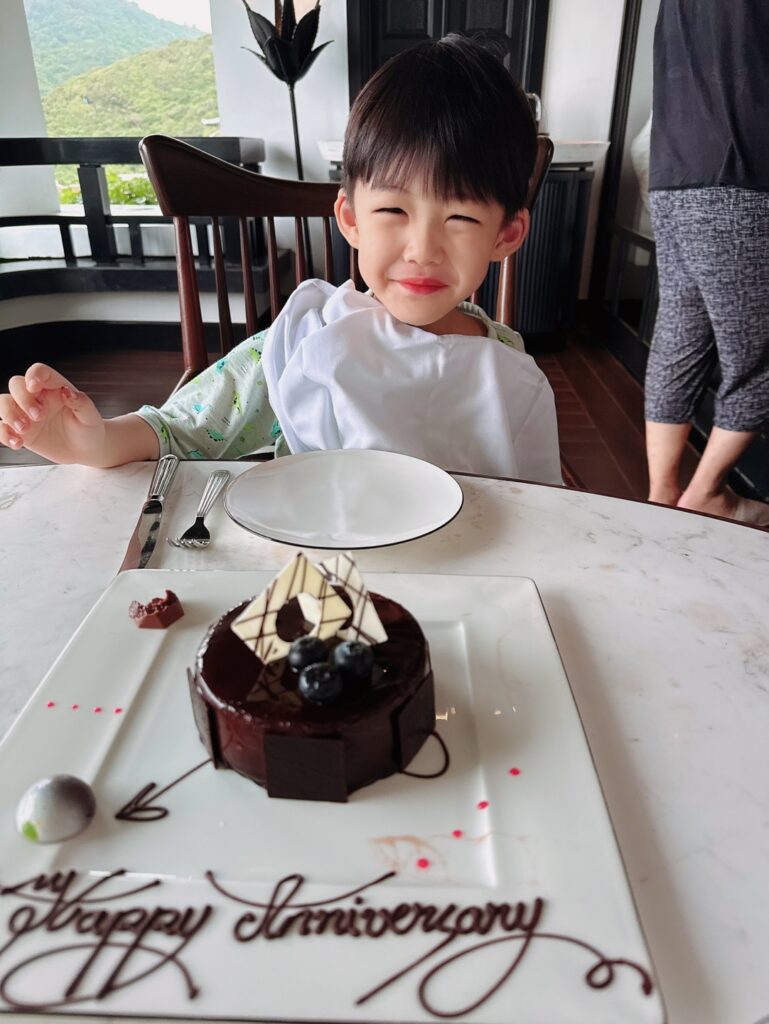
(501, 332)
(223, 413)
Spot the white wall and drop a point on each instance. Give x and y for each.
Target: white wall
(630, 209)
(579, 75)
(253, 102)
(583, 38)
(22, 189)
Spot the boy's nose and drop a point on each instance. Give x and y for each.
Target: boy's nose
(422, 245)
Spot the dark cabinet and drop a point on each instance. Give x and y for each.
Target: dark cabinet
(378, 29)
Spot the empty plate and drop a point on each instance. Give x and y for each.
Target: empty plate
(344, 499)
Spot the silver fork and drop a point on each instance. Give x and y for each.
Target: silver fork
(197, 535)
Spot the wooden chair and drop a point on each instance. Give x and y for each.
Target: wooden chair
(507, 288)
(191, 185)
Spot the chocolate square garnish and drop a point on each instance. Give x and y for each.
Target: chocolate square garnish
(205, 721)
(410, 731)
(300, 768)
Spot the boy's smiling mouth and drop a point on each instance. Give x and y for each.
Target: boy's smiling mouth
(421, 285)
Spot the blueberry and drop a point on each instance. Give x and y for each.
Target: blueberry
(320, 683)
(354, 660)
(306, 650)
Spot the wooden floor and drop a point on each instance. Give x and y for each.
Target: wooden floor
(599, 406)
(600, 419)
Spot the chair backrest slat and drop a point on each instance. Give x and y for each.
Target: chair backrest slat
(300, 255)
(507, 300)
(354, 269)
(226, 339)
(328, 251)
(248, 277)
(274, 273)
(193, 340)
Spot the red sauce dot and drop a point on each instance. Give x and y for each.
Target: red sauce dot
(515, 771)
(118, 711)
(97, 710)
(75, 707)
(457, 833)
(51, 704)
(482, 805)
(423, 862)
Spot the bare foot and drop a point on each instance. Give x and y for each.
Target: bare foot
(665, 495)
(754, 512)
(728, 505)
(722, 504)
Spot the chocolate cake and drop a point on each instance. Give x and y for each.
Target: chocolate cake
(265, 719)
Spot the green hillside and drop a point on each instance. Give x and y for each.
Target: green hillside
(170, 90)
(70, 37)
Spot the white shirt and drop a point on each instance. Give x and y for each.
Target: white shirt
(341, 372)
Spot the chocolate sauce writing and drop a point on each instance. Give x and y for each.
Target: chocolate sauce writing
(114, 949)
(284, 914)
(103, 959)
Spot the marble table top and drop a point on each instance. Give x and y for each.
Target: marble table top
(661, 621)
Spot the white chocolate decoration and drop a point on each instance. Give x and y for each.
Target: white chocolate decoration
(257, 623)
(366, 626)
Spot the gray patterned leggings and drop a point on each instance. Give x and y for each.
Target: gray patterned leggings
(713, 260)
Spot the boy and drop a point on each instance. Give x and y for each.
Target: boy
(439, 149)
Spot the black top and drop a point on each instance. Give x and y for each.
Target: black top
(711, 95)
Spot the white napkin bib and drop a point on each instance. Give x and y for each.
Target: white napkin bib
(342, 372)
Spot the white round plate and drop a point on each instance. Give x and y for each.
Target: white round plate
(343, 499)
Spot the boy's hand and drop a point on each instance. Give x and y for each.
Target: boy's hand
(46, 414)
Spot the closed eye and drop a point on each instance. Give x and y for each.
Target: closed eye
(464, 217)
(389, 209)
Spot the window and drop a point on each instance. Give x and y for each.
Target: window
(123, 68)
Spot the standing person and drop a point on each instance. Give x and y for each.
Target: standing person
(709, 182)
(439, 149)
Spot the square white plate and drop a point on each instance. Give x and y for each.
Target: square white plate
(519, 816)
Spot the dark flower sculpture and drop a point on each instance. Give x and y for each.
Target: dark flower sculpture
(287, 50)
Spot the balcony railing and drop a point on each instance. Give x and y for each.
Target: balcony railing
(105, 267)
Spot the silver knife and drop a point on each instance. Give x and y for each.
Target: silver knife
(145, 535)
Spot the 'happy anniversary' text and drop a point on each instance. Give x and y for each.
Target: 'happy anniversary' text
(100, 949)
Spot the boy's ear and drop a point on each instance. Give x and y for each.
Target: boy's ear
(512, 235)
(345, 218)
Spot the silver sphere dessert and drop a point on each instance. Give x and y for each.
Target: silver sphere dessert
(55, 809)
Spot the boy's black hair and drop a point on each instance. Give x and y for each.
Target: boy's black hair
(447, 115)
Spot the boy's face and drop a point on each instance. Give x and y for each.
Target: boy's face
(422, 255)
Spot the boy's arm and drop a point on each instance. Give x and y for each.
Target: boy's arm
(129, 438)
(44, 413)
(224, 413)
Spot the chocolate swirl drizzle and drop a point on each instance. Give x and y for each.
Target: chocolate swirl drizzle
(141, 809)
(444, 767)
(140, 806)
